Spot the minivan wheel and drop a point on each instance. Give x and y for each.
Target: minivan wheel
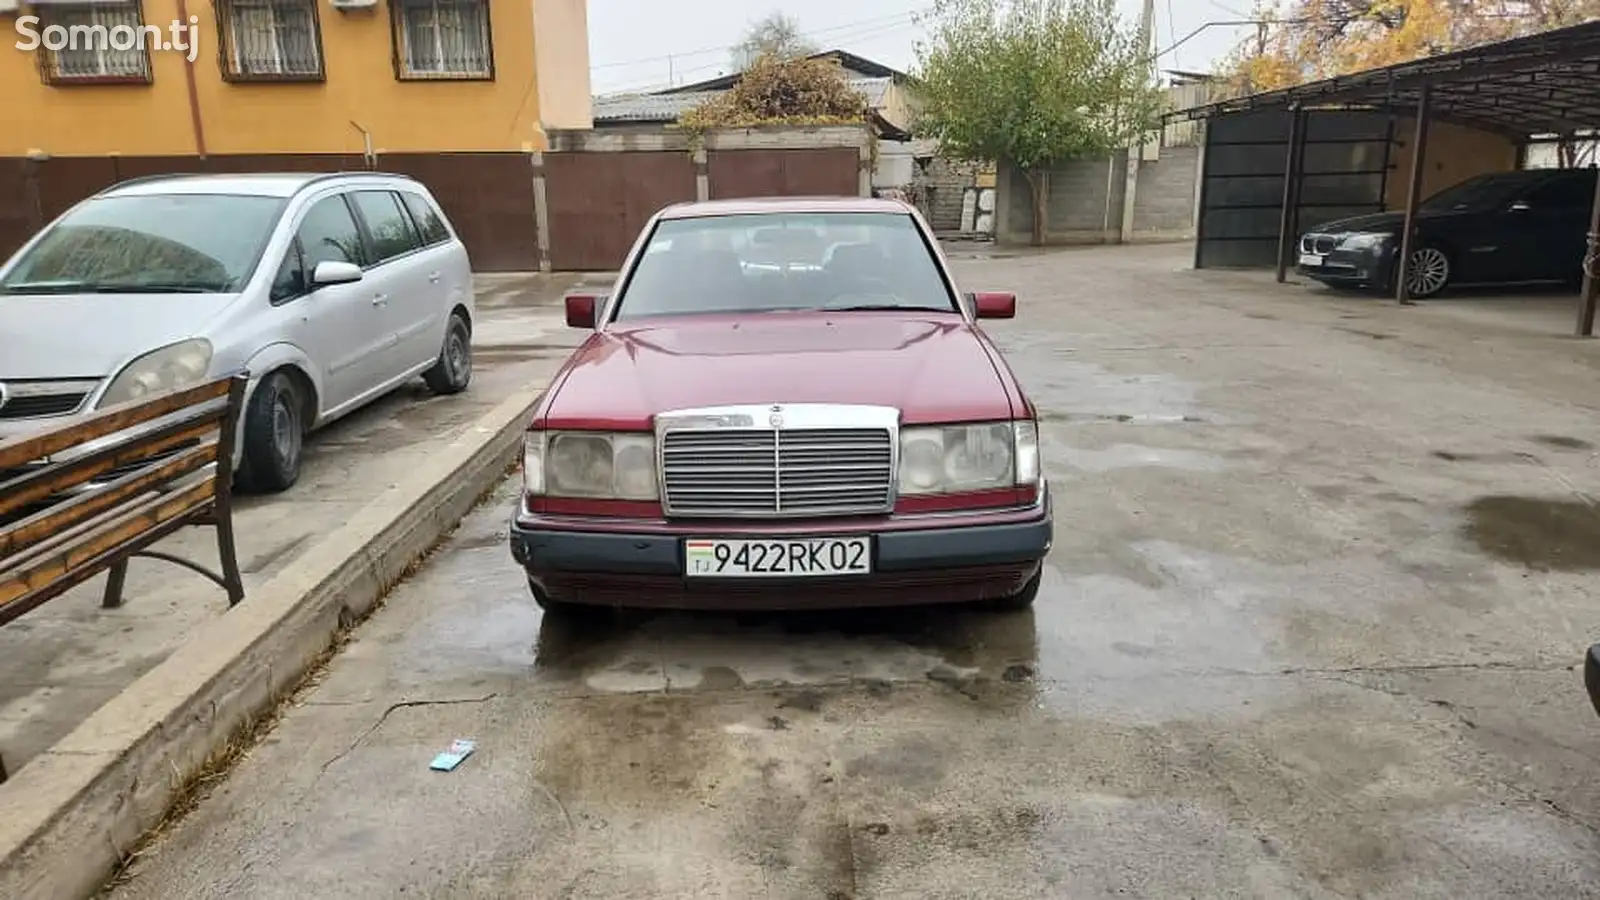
(453, 371)
(1428, 273)
(274, 435)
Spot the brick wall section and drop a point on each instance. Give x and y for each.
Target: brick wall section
(941, 187)
(1077, 203)
(1163, 205)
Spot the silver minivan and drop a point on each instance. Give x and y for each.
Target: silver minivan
(331, 290)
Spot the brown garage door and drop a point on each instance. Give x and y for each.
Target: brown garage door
(489, 199)
(598, 202)
(823, 172)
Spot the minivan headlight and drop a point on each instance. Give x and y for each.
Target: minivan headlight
(589, 464)
(169, 368)
(953, 459)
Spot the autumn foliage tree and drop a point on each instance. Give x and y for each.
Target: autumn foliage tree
(1034, 83)
(1306, 40)
(776, 90)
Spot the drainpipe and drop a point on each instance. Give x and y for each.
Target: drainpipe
(367, 153)
(188, 77)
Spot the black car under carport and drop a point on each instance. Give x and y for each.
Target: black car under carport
(1505, 228)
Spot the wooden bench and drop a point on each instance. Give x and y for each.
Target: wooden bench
(87, 496)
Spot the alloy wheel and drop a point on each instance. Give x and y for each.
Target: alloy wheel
(1428, 273)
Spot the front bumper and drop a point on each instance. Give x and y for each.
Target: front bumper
(917, 560)
(1368, 267)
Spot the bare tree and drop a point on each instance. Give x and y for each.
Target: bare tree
(777, 36)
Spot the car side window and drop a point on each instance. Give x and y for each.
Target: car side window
(387, 224)
(1562, 193)
(290, 282)
(428, 219)
(329, 234)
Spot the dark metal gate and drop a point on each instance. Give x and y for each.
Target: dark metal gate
(1344, 172)
(598, 201)
(814, 172)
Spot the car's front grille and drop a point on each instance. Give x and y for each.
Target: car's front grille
(39, 405)
(778, 472)
(1318, 243)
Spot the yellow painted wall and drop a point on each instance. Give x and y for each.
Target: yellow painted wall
(1454, 155)
(402, 116)
(561, 44)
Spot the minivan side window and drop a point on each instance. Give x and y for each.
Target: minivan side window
(387, 224)
(428, 219)
(329, 234)
(290, 282)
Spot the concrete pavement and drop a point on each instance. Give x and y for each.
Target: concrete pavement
(61, 662)
(1323, 569)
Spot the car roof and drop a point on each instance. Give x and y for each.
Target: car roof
(780, 205)
(259, 184)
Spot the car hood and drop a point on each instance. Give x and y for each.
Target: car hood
(91, 335)
(934, 368)
(1380, 223)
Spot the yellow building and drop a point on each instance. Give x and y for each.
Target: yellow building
(291, 76)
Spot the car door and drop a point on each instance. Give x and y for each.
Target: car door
(448, 273)
(1549, 226)
(399, 261)
(346, 334)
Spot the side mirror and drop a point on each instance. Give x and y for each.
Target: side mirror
(994, 305)
(580, 310)
(334, 272)
(1520, 206)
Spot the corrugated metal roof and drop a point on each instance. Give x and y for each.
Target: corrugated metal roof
(668, 107)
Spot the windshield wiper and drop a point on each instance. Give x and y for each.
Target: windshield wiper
(886, 307)
(95, 287)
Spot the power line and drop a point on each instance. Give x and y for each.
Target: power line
(902, 18)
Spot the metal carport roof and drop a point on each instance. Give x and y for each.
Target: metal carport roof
(1545, 83)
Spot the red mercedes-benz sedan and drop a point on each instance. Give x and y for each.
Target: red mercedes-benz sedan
(785, 404)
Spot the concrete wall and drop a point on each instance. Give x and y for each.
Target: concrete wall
(1454, 155)
(1164, 204)
(1078, 203)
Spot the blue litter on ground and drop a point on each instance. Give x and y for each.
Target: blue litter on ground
(448, 760)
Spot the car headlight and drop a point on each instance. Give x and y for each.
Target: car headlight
(1364, 241)
(953, 459)
(173, 366)
(587, 464)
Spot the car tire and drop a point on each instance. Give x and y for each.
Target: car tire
(1429, 272)
(274, 436)
(452, 372)
(1022, 599)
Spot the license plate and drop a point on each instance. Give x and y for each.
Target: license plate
(1311, 259)
(798, 558)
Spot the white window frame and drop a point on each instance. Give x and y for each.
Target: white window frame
(108, 15)
(405, 9)
(238, 32)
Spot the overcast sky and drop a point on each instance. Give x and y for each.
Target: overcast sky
(630, 41)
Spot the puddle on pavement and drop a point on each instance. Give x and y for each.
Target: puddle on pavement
(1539, 533)
(1133, 456)
(1068, 391)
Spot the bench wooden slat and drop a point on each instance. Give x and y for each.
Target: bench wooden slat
(45, 482)
(19, 451)
(59, 518)
(30, 572)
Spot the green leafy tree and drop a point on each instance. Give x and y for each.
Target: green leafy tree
(777, 36)
(1034, 83)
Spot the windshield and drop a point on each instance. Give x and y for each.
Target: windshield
(1481, 193)
(155, 243)
(765, 262)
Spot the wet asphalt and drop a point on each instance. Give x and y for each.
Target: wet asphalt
(1323, 571)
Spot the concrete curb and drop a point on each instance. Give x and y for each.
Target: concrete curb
(68, 816)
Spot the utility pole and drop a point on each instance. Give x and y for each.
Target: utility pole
(1136, 151)
(672, 80)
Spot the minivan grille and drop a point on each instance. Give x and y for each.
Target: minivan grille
(30, 406)
(793, 472)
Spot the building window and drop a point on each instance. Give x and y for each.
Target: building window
(442, 39)
(270, 40)
(106, 42)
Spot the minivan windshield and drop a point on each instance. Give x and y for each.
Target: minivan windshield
(769, 262)
(1484, 192)
(149, 243)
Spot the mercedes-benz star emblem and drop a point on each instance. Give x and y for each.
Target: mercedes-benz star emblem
(776, 419)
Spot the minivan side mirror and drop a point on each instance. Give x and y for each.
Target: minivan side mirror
(331, 271)
(581, 310)
(994, 305)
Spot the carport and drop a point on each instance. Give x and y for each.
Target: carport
(1279, 163)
